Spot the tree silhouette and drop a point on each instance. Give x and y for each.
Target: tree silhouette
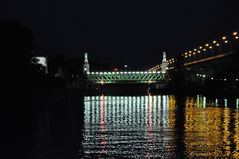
(17, 67)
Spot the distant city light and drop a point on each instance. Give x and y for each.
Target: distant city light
(125, 66)
(235, 33)
(149, 81)
(225, 102)
(224, 38)
(42, 61)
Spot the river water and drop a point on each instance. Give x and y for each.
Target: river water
(159, 126)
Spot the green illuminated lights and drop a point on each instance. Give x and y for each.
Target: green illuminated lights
(125, 77)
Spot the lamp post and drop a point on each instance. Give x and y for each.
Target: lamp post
(211, 48)
(235, 38)
(219, 46)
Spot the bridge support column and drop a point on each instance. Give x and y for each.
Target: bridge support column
(86, 66)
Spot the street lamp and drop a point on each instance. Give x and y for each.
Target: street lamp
(235, 35)
(211, 48)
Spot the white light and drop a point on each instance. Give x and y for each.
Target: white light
(204, 102)
(125, 66)
(197, 74)
(203, 75)
(237, 79)
(97, 73)
(225, 101)
(92, 73)
(212, 78)
(42, 61)
(225, 79)
(216, 102)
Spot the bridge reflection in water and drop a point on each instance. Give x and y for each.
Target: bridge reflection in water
(146, 127)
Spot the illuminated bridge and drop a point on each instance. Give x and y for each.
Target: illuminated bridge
(128, 77)
(125, 77)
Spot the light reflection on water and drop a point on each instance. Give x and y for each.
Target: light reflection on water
(150, 127)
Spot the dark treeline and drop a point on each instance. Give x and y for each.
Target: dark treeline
(28, 93)
(36, 102)
(21, 72)
(18, 70)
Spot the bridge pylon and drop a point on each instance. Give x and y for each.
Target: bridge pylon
(164, 64)
(86, 66)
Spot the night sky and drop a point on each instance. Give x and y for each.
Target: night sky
(133, 32)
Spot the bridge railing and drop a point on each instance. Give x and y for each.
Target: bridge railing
(221, 46)
(216, 48)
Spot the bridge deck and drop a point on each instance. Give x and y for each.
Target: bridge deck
(125, 77)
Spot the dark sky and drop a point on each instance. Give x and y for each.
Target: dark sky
(133, 32)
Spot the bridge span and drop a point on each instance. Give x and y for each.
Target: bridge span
(125, 77)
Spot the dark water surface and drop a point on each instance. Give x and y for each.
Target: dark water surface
(160, 126)
(74, 126)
